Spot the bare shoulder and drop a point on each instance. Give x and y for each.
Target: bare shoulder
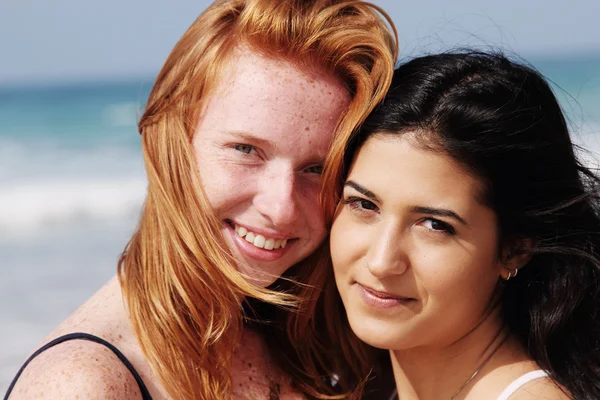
(538, 389)
(76, 369)
(81, 368)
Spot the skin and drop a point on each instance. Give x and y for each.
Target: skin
(417, 265)
(259, 145)
(266, 132)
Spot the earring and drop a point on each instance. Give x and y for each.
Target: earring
(512, 274)
(364, 262)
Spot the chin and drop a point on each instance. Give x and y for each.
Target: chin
(374, 333)
(259, 278)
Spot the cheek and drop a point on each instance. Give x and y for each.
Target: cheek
(458, 286)
(217, 180)
(450, 271)
(346, 244)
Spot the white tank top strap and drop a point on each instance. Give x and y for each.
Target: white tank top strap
(520, 381)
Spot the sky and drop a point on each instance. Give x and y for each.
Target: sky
(49, 41)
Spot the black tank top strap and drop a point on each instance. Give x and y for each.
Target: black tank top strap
(91, 338)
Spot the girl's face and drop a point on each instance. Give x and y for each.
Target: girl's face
(414, 251)
(260, 147)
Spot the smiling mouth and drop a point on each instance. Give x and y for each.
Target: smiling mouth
(257, 240)
(384, 296)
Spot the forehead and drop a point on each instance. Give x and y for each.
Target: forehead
(256, 77)
(398, 168)
(275, 99)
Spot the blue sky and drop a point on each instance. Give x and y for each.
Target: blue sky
(66, 40)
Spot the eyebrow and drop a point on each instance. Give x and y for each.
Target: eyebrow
(439, 212)
(249, 137)
(416, 209)
(361, 190)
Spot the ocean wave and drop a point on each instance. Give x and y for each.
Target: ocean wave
(29, 156)
(34, 206)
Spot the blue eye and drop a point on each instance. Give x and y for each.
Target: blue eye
(315, 169)
(244, 148)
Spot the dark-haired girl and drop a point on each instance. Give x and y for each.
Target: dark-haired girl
(466, 239)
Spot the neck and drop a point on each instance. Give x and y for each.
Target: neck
(448, 371)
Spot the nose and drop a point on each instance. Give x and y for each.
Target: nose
(277, 197)
(387, 253)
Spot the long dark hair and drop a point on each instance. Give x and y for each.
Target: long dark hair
(501, 120)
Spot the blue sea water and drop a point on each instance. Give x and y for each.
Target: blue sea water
(72, 183)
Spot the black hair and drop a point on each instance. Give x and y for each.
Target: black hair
(501, 120)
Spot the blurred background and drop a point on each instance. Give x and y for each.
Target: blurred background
(74, 77)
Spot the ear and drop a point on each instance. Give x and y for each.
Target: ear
(515, 256)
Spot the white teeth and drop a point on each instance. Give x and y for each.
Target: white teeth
(269, 244)
(259, 240)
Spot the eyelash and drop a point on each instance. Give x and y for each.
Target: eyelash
(243, 147)
(239, 146)
(319, 172)
(357, 205)
(446, 228)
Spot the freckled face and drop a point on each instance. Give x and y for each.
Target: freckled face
(430, 247)
(260, 146)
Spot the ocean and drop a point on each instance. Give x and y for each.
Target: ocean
(72, 183)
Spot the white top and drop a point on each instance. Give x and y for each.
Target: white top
(520, 381)
(510, 389)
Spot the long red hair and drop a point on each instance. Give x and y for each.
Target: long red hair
(181, 287)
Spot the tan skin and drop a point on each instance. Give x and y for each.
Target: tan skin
(430, 256)
(260, 146)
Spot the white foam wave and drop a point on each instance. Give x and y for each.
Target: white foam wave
(31, 206)
(44, 185)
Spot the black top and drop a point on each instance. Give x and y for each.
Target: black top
(91, 338)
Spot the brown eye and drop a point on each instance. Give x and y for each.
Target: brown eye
(440, 226)
(359, 204)
(367, 205)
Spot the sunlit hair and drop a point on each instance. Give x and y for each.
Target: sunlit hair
(181, 287)
(501, 121)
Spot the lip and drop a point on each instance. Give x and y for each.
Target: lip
(378, 299)
(254, 252)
